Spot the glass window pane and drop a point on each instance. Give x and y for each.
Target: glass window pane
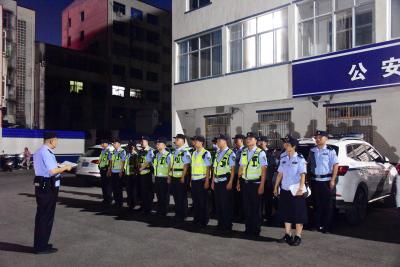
(249, 52)
(344, 4)
(249, 27)
(205, 40)
(216, 38)
(306, 10)
(281, 45)
(236, 55)
(183, 68)
(267, 48)
(395, 18)
(323, 7)
(194, 44)
(193, 66)
(265, 23)
(360, 2)
(364, 24)
(235, 31)
(306, 38)
(343, 30)
(324, 35)
(280, 18)
(183, 47)
(217, 60)
(205, 63)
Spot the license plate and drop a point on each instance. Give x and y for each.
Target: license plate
(85, 164)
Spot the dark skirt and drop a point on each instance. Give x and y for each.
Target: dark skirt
(292, 209)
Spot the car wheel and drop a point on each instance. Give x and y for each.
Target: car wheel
(358, 210)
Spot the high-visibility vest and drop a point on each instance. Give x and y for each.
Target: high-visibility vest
(103, 159)
(177, 164)
(251, 168)
(130, 164)
(160, 165)
(199, 167)
(222, 167)
(116, 160)
(142, 159)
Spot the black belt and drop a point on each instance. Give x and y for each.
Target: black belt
(251, 181)
(43, 182)
(175, 170)
(223, 175)
(323, 176)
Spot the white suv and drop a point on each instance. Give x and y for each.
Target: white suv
(364, 176)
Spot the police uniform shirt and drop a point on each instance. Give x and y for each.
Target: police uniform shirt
(149, 155)
(262, 157)
(122, 154)
(160, 154)
(207, 157)
(186, 159)
(232, 157)
(44, 161)
(325, 158)
(291, 168)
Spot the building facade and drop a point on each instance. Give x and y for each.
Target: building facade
(278, 67)
(18, 47)
(134, 38)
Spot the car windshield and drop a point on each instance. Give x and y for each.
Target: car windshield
(92, 152)
(304, 149)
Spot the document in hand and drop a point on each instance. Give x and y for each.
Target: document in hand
(295, 187)
(65, 163)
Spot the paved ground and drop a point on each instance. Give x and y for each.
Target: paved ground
(89, 234)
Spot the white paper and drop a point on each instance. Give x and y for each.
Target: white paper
(295, 187)
(66, 163)
(57, 183)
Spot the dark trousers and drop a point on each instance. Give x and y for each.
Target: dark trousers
(106, 186)
(46, 199)
(179, 194)
(252, 207)
(223, 204)
(200, 202)
(268, 200)
(162, 192)
(238, 212)
(146, 191)
(323, 201)
(131, 190)
(117, 189)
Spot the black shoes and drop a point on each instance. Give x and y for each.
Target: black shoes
(48, 250)
(286, 239)
(296, 241)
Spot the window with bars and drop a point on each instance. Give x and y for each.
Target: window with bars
(348, 119)
(215, 125)
(275, 125)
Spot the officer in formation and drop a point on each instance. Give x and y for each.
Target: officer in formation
(116, 171)
(180, 164)
(47, 183)
(252, 171)
(145, 159)
(323, 167)
(222, 183)
(238, 141)
(292, 203)
(131, 171)
(200, 181)
(106, 186)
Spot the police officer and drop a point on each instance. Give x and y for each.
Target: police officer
(145, 157)
(200, 181)
(237, 196)
(180, 164)
(161, 163)
(292, 204)
(47, 183)
(106, 186)
(252, 171)
(323, 164)
(222, 183)
(116, 171)
(131, 171)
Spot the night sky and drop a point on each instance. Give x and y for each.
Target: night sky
(48, 16)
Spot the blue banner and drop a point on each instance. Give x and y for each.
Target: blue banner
(362, 68)
(29, 133)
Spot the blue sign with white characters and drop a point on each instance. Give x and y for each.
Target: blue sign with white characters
(362, 68)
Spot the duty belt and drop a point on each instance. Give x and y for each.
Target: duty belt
(41, 181)
(221, 178)
(255, 181)
(322, 178)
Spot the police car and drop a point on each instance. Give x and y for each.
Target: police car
(364, 175)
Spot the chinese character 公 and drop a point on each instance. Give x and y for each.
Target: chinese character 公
(391, 67)
(357, 73)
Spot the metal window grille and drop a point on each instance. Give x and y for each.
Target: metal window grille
(275, 125)
(215, 125)
(350, 119)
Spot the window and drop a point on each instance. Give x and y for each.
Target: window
(83, 16)
(259, 41)
(349, 119)
(153, 96)
(136, 73)
(137, 53)
(119, 70)
(374, 154)
(118, 8)
(136, 14)
(118, 91)
(137, 34)
(75, 87)
(152, 76)
(200, 57)
(119, 27)
(357, 152)
(395, 18)
(82, 36)
(352, 19)
(215, 125)
(135, 93)
(69, 22)
(195, 4)
(275, 125)
(153, 57)
(152, 19)
(153, 37)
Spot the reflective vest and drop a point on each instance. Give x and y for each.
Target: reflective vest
(142, 159)
(222, 167)
(116, 160)
(160, 165)
(199, 168)
(251, 169)
(129, 164)
(177, 164)
(103, 159)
